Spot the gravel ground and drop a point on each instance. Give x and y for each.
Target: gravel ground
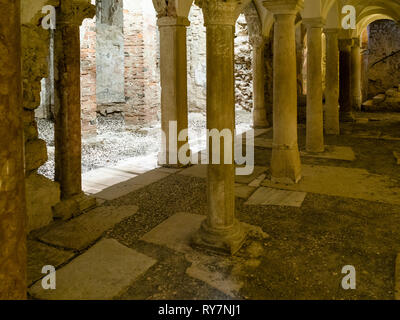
(114, 142)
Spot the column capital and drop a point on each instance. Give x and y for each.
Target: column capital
(316, 22)
(331, 31)
(283, 6)
(73, 12)
(356, 42)
(166, 21)
(257, 41)
(345, 44)
(221, 12)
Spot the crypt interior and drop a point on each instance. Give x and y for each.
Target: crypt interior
(87, 107)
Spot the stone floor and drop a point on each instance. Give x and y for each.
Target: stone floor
(135, 244)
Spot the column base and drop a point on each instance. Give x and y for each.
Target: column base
(285, 166)
(222, 240)
(73, 206)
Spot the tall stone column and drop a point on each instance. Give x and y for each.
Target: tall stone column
(345, 97)
(285, 162)
(68, 96)
(258, 66)
(12, 186)
(173, 73)
(315, 117)
(332, 82)
(356, 74)
(221, 231)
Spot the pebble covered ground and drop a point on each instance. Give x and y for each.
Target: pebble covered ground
(114, 142)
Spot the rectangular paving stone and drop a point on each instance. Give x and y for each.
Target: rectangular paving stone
(334, 153)
(80, 232)
(175, 232)
(276, 197)
(103, 272)
(243, 191)
(40, 255)
(344, 182)
(258, 170)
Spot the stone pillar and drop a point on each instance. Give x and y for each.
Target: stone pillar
(12, 186)
(173, 74)
(285, 162)
(68, 96)
(221, 231)
(315, 117)
(356, 74)
(345, 100)
(332, 82)
(258, 66)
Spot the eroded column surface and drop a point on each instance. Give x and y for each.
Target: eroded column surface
(356, 74)
(221, 230)
(332, 82)
(67, 96)
(12, 186)
(173, 74)
(258, 66)
(285, 162)
(315, 118)
(345, 97)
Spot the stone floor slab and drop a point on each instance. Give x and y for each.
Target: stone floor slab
(243, 191)
(258, 170)
(334, 153)
(103, 272)
(257, 181)
(80, 232)
(276, 197)
(175, 232)
(40, 255)
(198, 170)
(344, 182)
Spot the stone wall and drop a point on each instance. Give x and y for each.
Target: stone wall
(383, 56)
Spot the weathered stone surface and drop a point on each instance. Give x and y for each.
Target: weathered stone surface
(41, 195)
(80, 232)
(40, 255)
(276, 197)
(344, 182)
(334, 153)
(103, 272)
(35, 154)
(258, 170)
(199, 171)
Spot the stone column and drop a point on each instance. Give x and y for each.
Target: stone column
(345, 100)
(173, 74)
(356, 74)
(285, 162)
(332, 82)
(315, 117)
(12, 186)
(221, 231)
(258, 66)
(68, 96)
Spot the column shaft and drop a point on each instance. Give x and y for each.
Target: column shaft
(12, 185)
(315, 121)
(258, 65)
(356, 75)
(221, 231)
(332, 83)
(345, 99)
(285, 162)
(68, 110)
(173, 72)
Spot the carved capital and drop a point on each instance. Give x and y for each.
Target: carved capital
(165, 8)
(345, 44)
(284, 6)
(73, 12)
(314, 22)
(221, 12)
